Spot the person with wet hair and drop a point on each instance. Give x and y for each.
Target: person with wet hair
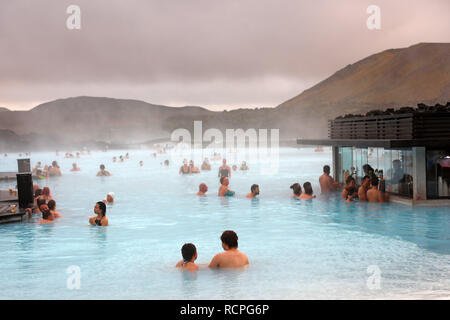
(232, 257)
(189, 254)
(99, 220)
(296, 190)
(307, 191)
(254, 191)
(54, 170)
(224, 190)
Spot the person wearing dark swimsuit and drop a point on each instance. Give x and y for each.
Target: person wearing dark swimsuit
(185, 169)
(224, 170)
(100, 219)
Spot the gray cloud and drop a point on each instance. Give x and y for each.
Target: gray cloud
(233, 53)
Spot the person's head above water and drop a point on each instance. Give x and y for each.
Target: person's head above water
(51, 204)
(224, 161)
(229, 240)
(297, 189)
(326, 169)
(350, 181)
(102, 167)
(100, 208)
(254, 189)
(46, 191)
(110, 197)
(308, 188)
(365, 181)
(203, 187)
(189, 252)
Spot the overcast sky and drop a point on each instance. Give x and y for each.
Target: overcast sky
(217, 54)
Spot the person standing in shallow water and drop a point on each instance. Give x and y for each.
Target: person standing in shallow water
(327, 183)
(100, 220)
(232, 257)
(224, 170)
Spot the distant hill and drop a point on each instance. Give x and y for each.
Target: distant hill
(3, 109)
(394, 78)
(391, 79)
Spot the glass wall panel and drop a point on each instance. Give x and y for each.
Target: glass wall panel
(438, 173)
(398, 171)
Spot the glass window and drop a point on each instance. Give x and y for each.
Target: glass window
(438, 173)
(398, 171)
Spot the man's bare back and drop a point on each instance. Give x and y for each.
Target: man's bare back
(232, 258)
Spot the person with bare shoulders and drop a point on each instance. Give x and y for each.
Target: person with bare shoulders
(75, 167)
(254, 191)
(189, 254)
(109, 198)
(54, 170)
(296, 190)
(206, 166)
(52, 207)
(202, 189)
(224, 190)
(350, 187)
(185, 169)
(375, 195)
(362, 191)
(100, 220)
(232, 257)
(193, 168)
(224, 170)
(307, 191)
(103, 172)
(327, 183)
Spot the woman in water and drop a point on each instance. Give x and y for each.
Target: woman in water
(296, 190)
(54, 170)
(46, 195)
(100, 219)
(224, 170)
(75, 167)
(308, 191)
(224, 190)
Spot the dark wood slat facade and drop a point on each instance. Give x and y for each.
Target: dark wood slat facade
(398, 126)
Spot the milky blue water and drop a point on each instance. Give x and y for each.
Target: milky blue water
(298, 249)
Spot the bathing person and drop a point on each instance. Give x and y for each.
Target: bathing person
(46, 214)
(100, 219)
(103, 172)
(109, 198)
(234, 167)
(114, 159)
(224, 190)
(52, 207)
(202, 189)
(46, 195)
(193, 168)
(54, 170)
(75, 167)
(327, 183)
(224, 170)
(232, 257)
(166, 163)
(350, 187)
(349, 197)
(307, 191)
(206, 165)
(189, 254)
(362, 191)
(141, 163)
(121, 158)
(254, 191)
(185, 169)
(296, 190)
(244, 166)
(375, 195)
(36, 167)
(368, 171)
